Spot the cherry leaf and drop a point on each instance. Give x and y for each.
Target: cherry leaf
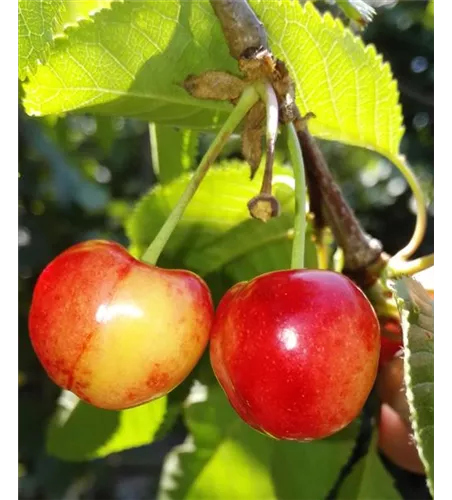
(132, 59)
(216, 232)
(344, 82)
(416, 310)
(79, 432)
(225, 458)
(38, 21)
(369, 479)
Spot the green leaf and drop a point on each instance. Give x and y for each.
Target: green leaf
(173, 151)
(369, 480)
(174, 401)
(225, 458)
(79, 431)
(82, 9)
(133, 57)
(38, 22)
(295, 466)
(216, 231)
(416, 310)
(345, 83)
(131, 60)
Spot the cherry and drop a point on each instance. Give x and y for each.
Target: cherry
(296, 352)
(116, 331)
(394, 430)
(396, 442)
(391, 338)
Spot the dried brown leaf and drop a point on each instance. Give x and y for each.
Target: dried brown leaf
(216, 85)
(257, 64)
(252, 136)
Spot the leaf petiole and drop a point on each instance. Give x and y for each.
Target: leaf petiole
(421, 214)
(398, 267)
(247, 100)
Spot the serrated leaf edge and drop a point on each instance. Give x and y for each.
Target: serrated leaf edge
(407, 307)
(370, 51)
(72, 26)
(61, 39)
(32, 66)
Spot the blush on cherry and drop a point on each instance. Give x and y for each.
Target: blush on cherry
(116, 331)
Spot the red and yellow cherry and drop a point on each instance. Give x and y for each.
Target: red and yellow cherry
(296, 352)
(116, 331)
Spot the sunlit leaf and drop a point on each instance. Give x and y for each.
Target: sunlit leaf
(79, 431)
(345, 83)
(77, 10)
(225, 458)
(38, 21)
(132, 58)
(216, 231)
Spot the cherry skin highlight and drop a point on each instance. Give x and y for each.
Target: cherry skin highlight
(116, 331)
(296, 352)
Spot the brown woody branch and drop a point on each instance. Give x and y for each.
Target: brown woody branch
(363, 254)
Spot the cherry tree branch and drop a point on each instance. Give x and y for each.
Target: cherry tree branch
(363, 255)
(241, 28)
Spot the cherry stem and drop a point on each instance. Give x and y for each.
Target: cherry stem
(321, 249)
(272, 112)
(338, 260)
(241, 28)
(421, 213)
(299, 238)
(247, 100)
(398, 267)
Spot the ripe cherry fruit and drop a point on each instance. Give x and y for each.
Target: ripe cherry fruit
(116, 331)
(391, 338)
(296, 352)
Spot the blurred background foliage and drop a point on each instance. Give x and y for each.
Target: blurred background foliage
(79, 178)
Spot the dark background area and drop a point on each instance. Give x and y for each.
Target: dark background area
(79, 179)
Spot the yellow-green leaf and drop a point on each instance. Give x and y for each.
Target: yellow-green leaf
(132, 58)
(216, 232)
(80, 432)
(345, 83)
(38, 20)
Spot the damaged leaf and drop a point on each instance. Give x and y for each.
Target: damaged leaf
(217, 85)
(252, 136)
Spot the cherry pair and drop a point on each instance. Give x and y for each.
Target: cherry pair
(295, 351)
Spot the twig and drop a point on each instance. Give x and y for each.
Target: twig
(241, 28)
